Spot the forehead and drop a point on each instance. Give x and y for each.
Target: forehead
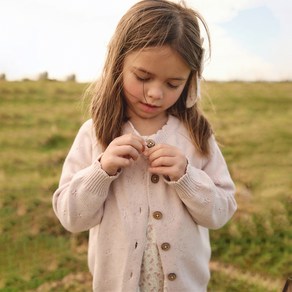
(159, 61)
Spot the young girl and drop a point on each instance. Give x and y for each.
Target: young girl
(145, 174)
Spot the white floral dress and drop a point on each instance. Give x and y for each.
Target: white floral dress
(152, 277)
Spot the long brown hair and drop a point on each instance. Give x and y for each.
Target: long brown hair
(146, 24)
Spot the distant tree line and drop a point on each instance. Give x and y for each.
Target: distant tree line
(44, 76)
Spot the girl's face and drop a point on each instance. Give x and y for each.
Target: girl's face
(153, 80)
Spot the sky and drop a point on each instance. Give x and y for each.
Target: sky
(251, 39)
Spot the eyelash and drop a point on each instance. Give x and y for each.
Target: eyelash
(142, 79)
(172, 86)
(146, 79)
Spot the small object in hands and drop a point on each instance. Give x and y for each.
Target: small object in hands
(150, 143)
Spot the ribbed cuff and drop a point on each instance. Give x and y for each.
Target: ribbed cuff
(190, 182)
(97, 180)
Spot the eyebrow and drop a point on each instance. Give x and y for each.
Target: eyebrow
(149, 73)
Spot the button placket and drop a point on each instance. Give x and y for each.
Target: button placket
(154, 177)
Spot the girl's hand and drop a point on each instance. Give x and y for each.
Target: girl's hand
(120, 152)
(167, 160)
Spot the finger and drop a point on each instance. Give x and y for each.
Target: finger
(122, 162)
(162, 161)
(172, 172)
(132, 140)
(111, 164)
(126, 151)
(161, 152)
(165, 171)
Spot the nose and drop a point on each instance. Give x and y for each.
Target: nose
(154, 91)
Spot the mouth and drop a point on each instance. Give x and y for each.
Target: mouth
(150, 105)
(149, 108)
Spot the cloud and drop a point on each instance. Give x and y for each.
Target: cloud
(62, 38)
(56, 36)
(281, 55)
(231, 61)
(221, 11)
(266, 56)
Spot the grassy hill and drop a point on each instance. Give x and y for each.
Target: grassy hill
(38, 122)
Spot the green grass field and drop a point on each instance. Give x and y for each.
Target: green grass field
(39, 121)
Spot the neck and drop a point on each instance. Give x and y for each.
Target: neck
(148, 127)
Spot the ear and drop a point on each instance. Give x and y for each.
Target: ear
(194, 92)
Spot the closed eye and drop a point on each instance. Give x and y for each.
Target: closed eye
(143, 79)
(146, 77)
(172, 86)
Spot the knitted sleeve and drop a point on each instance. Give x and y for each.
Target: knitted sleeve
(208, 193)
(84, 186)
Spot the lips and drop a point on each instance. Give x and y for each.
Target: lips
(149, 108)
(150, 105)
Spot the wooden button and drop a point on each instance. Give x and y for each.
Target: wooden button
(165, 246)
(171, 276)
(157, 215)
(155, 178)
(150, 143)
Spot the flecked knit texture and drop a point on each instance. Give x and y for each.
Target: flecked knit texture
(116, 209)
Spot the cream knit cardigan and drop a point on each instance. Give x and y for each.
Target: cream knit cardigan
(116, 211)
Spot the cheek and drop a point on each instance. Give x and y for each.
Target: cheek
(132, 87)
(174, 96)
